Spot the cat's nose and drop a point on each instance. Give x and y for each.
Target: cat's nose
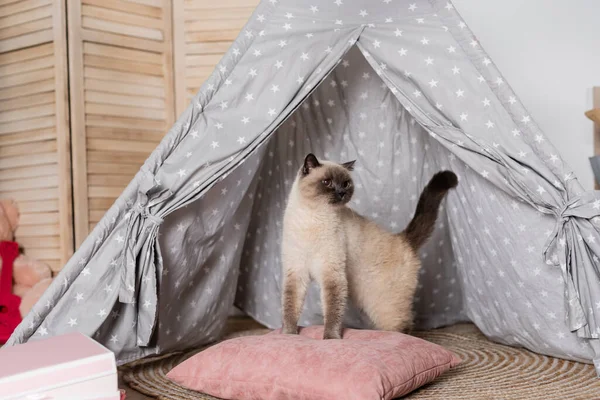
(340, 194)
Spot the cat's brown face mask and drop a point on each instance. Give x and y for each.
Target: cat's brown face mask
(327, 181)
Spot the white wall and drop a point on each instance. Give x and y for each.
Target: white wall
(549, 52)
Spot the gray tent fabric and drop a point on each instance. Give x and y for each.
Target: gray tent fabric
(403, 87)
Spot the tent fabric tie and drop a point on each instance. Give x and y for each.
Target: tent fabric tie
(137, 232)
(561, 247)
(138, 263)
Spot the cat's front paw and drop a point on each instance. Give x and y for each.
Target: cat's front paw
(289, 330)
(331, 335)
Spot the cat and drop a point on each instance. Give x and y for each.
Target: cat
(348, 255)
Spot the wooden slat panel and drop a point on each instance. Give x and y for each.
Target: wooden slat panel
(31, 39)
(121, 41)
(29, 172)
(28, 206)
(207, 48)
(126, 77)
(121, 65)
(29, 136)
(122, 111)
(203, 60)
(33, 108)
(5, 2)
(101, 203)
(21, 6)
(104, 191)
(27, 195)
(200, 72)
(121, 53)
(44, 253)
(29, 112)
(216, 25)
(120, 145)
(40, 242)
(152, 3)
(25, 78)
(26, 66)
(38, 230)
(113, 169)
(120, 17)
(48, 146)
(212, 36)
(27, 54)
(28, 27)
(133, 134)
(39, 219)
(25, 17)
(117, 99)
(242, 13)
(27, 101)
(194, 82)
(124, 88)
(116, 158)
(32, 123)
(96, 215)
(208, 5)
(128, 7)
(24, 161)
(109, 180)
(29, 184)
(123, 122)
(24, 90)
(122, 29)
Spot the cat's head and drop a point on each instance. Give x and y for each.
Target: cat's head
(326, 181)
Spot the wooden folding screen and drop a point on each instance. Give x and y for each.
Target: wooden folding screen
(77, 121)
(35, 165)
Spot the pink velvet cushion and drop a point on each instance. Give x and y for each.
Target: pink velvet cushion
(364, 365)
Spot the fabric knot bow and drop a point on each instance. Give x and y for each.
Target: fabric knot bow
(570, 247)
(138, 233)
(139, 259)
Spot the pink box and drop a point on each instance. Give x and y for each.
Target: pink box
(65, 367)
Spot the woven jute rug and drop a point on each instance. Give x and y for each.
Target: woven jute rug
(488, 371)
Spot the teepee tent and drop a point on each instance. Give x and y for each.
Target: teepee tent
(404, 88)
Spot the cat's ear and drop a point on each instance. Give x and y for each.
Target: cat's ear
(310, 162)
(349, 165)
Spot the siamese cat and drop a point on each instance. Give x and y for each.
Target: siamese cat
(348, 255)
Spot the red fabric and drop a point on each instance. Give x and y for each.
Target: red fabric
(363, 365)
(10, 316)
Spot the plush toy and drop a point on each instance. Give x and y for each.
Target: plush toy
(33, 295)
(9, 219)
(28, 271)
(31, 277)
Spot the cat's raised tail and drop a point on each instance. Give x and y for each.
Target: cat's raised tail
(421, 226)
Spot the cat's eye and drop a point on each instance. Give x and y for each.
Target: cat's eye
(326, 182)
(347, 184)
